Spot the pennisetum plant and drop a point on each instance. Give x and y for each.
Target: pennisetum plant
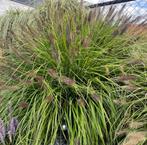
(69, 74)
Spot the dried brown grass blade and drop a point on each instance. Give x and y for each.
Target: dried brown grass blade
(134, 138)
(136, 125)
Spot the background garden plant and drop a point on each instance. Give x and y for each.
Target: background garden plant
(73, 75)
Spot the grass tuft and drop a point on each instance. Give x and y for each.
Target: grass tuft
(73, 75)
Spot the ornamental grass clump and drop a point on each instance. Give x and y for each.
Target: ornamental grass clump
(69, 74)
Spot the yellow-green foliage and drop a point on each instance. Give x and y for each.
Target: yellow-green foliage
(67, 65)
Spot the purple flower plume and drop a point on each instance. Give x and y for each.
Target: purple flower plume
(13, 125)
(12, 128)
